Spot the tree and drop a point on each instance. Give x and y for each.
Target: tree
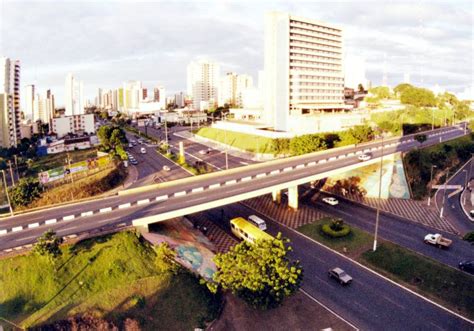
(400, 88)
(27, 190)
(261, 274)
(419, 97)
(356, 135)
(380, 92)
(360, 88)
(48, 245)
(421, 138)
(307, 143)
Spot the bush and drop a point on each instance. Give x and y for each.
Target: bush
(335, 229)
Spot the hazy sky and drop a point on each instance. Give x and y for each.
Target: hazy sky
(107, 42)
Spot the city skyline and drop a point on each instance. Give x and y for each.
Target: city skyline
(110, 44)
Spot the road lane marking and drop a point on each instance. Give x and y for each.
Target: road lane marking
(244, 163)
(125, 205)
(342, 156)
(197, 189)
(51, 221)
(246, 179)
(312, 163)
(105, 210)
(322, 161)
(299, 166)
(87, 213)
(143, 202)
(68, 218)
(69, 228)
(287, 169)
(180, 194)
(230, 182)
(4, 231)
(33, 225)
(26, 238)
(161, 198)
(214, 185)
(261, 175)
(274, 172)
(17, 228)
(198, 199)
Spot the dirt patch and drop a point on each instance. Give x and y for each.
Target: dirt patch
(297, 313)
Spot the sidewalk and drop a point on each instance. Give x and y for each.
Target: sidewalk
(467, 199)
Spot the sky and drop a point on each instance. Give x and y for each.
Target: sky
(105, 43)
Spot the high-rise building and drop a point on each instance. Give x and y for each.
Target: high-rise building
(30, 100)
(231, 88)
(144, 94)
(74, 96)
(159, 94)
(202, 83)
(50, 106)
(303, 68)
(131, 94)
(10, 114)
(179, 99)
(99, 98)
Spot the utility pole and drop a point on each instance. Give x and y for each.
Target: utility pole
(11, 172)
(16, 167)
(166, 136)
(465, 186)
(444, 195)
(68, 160)
(226, 147)
(6, 192)
(431, 184)
(378, 204)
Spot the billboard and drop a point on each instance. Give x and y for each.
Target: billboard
(52, 175)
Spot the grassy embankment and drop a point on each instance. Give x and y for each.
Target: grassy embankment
(246, 142)
(57, 160)
(450, 287)
(112, 277)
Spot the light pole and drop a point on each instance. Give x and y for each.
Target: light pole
(226, 147)
(378, 204)
(68, 161)
(11, 172)
(6, 192)
(431, 184)
(465, 185)
(444, 195)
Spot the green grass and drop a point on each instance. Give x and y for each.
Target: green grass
(57, 160)
(438, 281)
(247, 142)
(354, 242)
(105, 276)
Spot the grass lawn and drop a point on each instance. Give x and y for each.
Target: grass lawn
(112, 277)
(356, 242)
(57, 160)
(247, 142)
(438, 281)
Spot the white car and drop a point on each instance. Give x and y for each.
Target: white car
(331, 201)
(143, 150)
(203, 152)
(166, 168)
(364, 157)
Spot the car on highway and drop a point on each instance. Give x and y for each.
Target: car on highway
(143, 150)
(203, 152)
(437, 239)
(166, 168)
(364, 157)
(331, 201)
(133, 161)
(467, 266)
(130, 145)
(340, 275)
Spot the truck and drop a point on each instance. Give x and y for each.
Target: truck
(437, 240)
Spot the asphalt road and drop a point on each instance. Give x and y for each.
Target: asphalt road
(395, 229)
(370, 302)
(453, 210)
(177, 197)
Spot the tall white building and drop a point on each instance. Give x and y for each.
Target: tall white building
(29, 102)
(231, 88)
(202, 83)
(303, 68)
(74, 96)
(10, 114)
(132, 91)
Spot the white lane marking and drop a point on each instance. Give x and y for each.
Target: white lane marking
(350, 154)
(17, 228)
(161, 198)
(312, 163)
(358, 152)
(105, 210)
(180, 194)
(198, 199)
(67, 229)
(287, 169)
(33, 225)
(274, 172)
(26, 238)
(342, 156)
(244, 163)
(51, 221)
(197, 189)
(214, 185)
(87, 213)
(261, 175)
(322, 161)
(125, 205)
(230, 182)
(8, 250)
(246, 179)
(299, 166)
(68, 218)
(4, 231)
(375, 148)
(142, 202)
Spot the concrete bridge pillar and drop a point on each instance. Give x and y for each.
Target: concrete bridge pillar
(276, 195)
(293, 197)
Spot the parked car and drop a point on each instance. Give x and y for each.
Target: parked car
(331, 201)
(133, 161)
(166, 168)
(130, 145)
(467, 266)
(203, 152)
(143, 150)
(437, 240)
(340, 275)
(364, 157)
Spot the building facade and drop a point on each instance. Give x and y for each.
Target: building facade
(74, 96)
(10, 114)
(76, 124)
(231, 88)
(202, 83)
(303, 69)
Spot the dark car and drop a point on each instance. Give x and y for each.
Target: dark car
(467, 266)
(340, 275)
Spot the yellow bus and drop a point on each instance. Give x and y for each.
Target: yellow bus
(245, 230)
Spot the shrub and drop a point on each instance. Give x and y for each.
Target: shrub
(335, 229)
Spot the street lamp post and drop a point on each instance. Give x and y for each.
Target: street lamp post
(226, 147)
(6, 192)
(11, 172)
(444, 195)
(431, 184)
(378, 204)
(465, 186)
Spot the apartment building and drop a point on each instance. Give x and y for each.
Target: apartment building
(202, 83)
(10, 114)
(76, 124)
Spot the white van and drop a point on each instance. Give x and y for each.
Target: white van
(258, 222)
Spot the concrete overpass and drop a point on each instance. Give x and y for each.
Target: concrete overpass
(159, 202)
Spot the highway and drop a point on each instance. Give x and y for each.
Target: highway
(197, 191)
(370, 302)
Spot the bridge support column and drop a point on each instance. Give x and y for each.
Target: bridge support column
(182, 158)
(293, 197)
(143, 228)
(276, 195)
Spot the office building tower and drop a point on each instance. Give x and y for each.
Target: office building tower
(202, 83)
(10, 114)
(231, 88)
(74, 96)
(303, 68)
(29, 102)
